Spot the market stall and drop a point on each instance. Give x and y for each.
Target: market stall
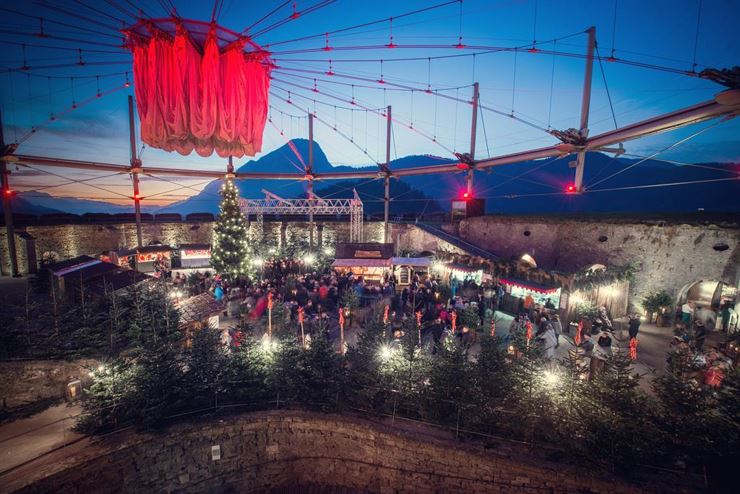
(369, 260)
(149, 259)
(518, 291)
(195, 255)
(404, 268)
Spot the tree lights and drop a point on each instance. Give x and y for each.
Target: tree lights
(230, 253)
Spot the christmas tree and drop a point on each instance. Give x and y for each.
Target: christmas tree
(230, 253)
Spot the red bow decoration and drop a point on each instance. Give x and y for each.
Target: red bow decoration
(633, 348)
(529, 330)
(341, 317)
(300, 315)
(269, 301)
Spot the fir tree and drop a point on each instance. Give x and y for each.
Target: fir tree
(230, 255)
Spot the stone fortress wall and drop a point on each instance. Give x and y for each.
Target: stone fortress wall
(670, 254)
(291, 451)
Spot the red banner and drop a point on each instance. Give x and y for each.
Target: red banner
(186, 101)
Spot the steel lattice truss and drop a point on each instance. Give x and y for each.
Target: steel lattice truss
(301, 207)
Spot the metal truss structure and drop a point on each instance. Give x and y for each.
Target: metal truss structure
(274, 204)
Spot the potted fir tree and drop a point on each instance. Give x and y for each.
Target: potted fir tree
(658, 304)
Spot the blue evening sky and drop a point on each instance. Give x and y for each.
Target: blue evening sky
(660, 32)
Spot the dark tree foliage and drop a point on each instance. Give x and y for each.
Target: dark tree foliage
(451, 392)
(492, 375)
(609, 418)
(158, 387)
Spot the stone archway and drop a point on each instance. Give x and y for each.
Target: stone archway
(705, 293)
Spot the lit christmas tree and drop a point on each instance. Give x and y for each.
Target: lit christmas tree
(230, 253)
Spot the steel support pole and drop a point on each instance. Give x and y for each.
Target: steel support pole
(473, 132)
(135, 170)
(387, 181)
(310, 180)
(585, 106)
(7, 207)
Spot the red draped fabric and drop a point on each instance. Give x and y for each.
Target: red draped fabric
(188, 101)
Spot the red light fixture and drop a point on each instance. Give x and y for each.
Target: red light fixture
(466, 195)
(570, 189)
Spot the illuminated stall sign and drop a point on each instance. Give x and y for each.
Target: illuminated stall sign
(196, 253)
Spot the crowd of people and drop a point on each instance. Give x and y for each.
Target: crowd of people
(438, 311)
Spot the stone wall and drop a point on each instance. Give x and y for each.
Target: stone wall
(670, 256)
(290, 451)
(410, 237)
(68, 241)
(26, 382)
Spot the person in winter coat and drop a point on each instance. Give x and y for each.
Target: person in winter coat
(547, 339)
(558, 327)
(634, 325)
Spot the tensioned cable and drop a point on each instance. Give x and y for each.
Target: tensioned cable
(101, 12)
(667, 148)
(377, 112)
(60, 23)
(53, 117)
(485, 134)
(295, 15)
(364, 24)
(606, 87)
(73, 180)
(335, 129)
(77, 16)
(681, 163)
(518, 177)
(668, 184)
(453, 98)
(264, 17)
(38, 189)
(696, 37)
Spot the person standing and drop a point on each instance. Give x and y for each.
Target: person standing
(700, 334)
(687, 312)
(634, 325)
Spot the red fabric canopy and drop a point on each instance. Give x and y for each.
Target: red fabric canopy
(210, 101)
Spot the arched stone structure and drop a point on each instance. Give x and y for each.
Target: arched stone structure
(290, 451)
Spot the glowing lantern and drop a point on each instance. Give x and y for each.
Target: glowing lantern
(199, 87)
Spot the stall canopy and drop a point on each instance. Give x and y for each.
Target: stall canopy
(414, 262)
(366, 263)
(529, 285)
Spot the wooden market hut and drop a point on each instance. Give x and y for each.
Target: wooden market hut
(196, 313)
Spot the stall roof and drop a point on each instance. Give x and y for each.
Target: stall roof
(361, 263)
(87, 271)
(421, 262)
(194, 246)
(62, 267)
(365, 250)
(116, 280)
(197, 308)
(529, 285)
(143, 250)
